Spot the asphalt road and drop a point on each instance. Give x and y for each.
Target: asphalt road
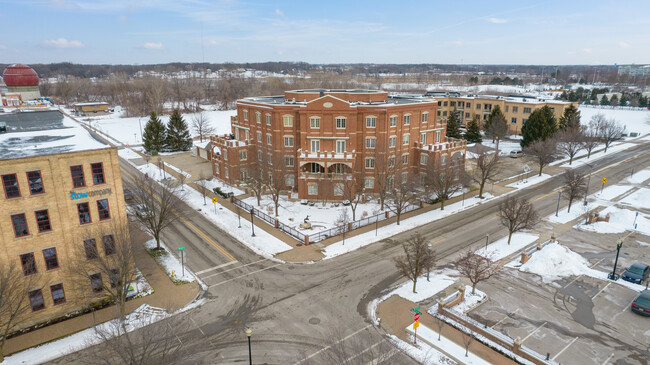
(317, 313)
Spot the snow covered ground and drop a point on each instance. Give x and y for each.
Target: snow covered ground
(457, 351)
(505, 147)
(638, 199)
(500, 248)
(529, 180)
(634, 121)
(620, 220)
(212, 183)
(422, 353)
(639, 177)
(471, 300)
(171, 262)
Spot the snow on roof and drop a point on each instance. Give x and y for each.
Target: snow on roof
(63, 135)
(91, 103)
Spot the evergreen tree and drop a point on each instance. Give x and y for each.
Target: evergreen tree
(624, 100)
(614, 100)
(570, 118)
(643, 101)
(453, 127)
(604, 100)
(154, 134)
(473, 134)
(541, 125)
(496, 124)
(178, 135)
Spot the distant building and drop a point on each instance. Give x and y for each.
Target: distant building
(92, 107)
(22, 80)
(638, 70)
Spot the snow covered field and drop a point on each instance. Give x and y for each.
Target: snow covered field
(634, 121)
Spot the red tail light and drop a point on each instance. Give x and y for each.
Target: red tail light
(635, 306)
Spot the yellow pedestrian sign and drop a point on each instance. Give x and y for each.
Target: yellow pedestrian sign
(214, 200)
(416, 324)
(603, 180)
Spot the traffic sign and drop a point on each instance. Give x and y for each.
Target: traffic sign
(603, 180)
(181, 248)
(416, 317)
(214, 200)
(416, 310)
(416, 324)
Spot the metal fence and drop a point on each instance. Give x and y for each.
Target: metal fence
(268, 219)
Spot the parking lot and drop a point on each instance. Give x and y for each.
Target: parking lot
(576, 320)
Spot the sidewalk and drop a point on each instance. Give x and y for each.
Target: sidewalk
(166, 295)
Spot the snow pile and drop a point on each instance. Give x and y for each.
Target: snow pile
(470, 301)
(577, 209)
(555, 261)
(500, 248)
(171, 264)
(620, 220)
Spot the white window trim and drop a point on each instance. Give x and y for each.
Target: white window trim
(370, 117)
(285, 141)
(371, 142)
(311, 120)
(389, 120)
(268, 119)
(288, 117)
(406, 139)
(345, 122)
(405, 119)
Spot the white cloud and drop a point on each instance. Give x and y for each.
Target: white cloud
(497, 20)
(586, 50)
(152, 45)
(623, 44)
(62, 43)
(2, 46)
(279, 12)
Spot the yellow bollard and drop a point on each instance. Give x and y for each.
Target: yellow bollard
(173, 274)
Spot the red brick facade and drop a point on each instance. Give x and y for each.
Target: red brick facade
(318, 138)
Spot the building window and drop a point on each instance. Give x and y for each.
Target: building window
(268, 139)
(29, 263)
(96, 282)
(340, 146)
(444, 113)
(114, 278)
(269, 158)
(36, 300)
(289, 180)
(424, 159)
(51, 260)
(288, 141)
(478, 106)
(98, 173)
(268, 119)
(370, 163)
(20, 225)
(369, 183)
(259, 136)
(407, 119)
(445, 103)
(312, 189)
(109, 244)
(10, 183)
(452, 103)
(77, 176)
(425, 117)
(523, 121)
(370, 142)
(84, 213)
(58, 295)
(225, 172)
(507, 108)
(468, 104)
(515, 109)
(315, 145)
(371, 122)
(391, 161)
(288, 161)
(259, 155)
(406, 139)
(423, 138)
(287, 120)
(225, 155)
(314, 122)
(243, 155)
(405, 159)
(243, 175)
(246, 115)
(35, 182)
(526, 110)
(514, 121)
(102, 209)
(393, 120)
(258, 117)
(405, 177)
(340, 123)
(43, 220)
(437, 136)
(392, 141)
(338, 189)
(90, 247)
(466, 115)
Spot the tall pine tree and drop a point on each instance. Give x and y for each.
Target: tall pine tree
(154, 134)
(178, 135)
(571, 118)
(496, 124)
(604, 100)
(453, 127)
(541, 125)
(473, 134)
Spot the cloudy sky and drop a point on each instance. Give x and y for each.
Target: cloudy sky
(484, 32)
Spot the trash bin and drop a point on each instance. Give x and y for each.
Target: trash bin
(154, 152)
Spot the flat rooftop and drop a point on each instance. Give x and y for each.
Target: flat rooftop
(43, 133)
(392, 100)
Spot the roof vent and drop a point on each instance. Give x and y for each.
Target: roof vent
(322, 93)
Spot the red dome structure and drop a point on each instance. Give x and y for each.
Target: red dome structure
(20, 75)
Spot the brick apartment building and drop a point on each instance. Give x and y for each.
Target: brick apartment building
(516, 109)
(319, 137)
(52, 205)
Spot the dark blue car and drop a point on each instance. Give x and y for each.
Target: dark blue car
(641, 304)
(636, 273)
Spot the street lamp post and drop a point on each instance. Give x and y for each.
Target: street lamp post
(249, 332)
(587, 189)
(428, 253)
(559, 195)
(613, 275)
(487, 240)
(140, 123)
(252, 224)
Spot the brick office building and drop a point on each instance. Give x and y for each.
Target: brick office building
(516, 109)
(319, 137)
(52, 205)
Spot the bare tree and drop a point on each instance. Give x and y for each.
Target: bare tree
(608, 130)
(543, 152)
(401, 194)
(276, 176)
(444, 180)
(104, 266)
(468, 338)
(353, 192)
(417, 259)
(255, 180)
(574, 186)
(569, 142)
(517, 214)
(440, 323)
(15, 304)
(475, 267)
(201, 125)
(486, 169)
(325, 189)
(181, 179)
(154, 205)
(590, 139)
(384, 172)
(202, 182)
(342, 222)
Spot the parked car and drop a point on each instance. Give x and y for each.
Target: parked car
(636, 273)
(516, 154)
(641, 304)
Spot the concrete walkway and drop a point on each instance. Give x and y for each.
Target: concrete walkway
(166, 295)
